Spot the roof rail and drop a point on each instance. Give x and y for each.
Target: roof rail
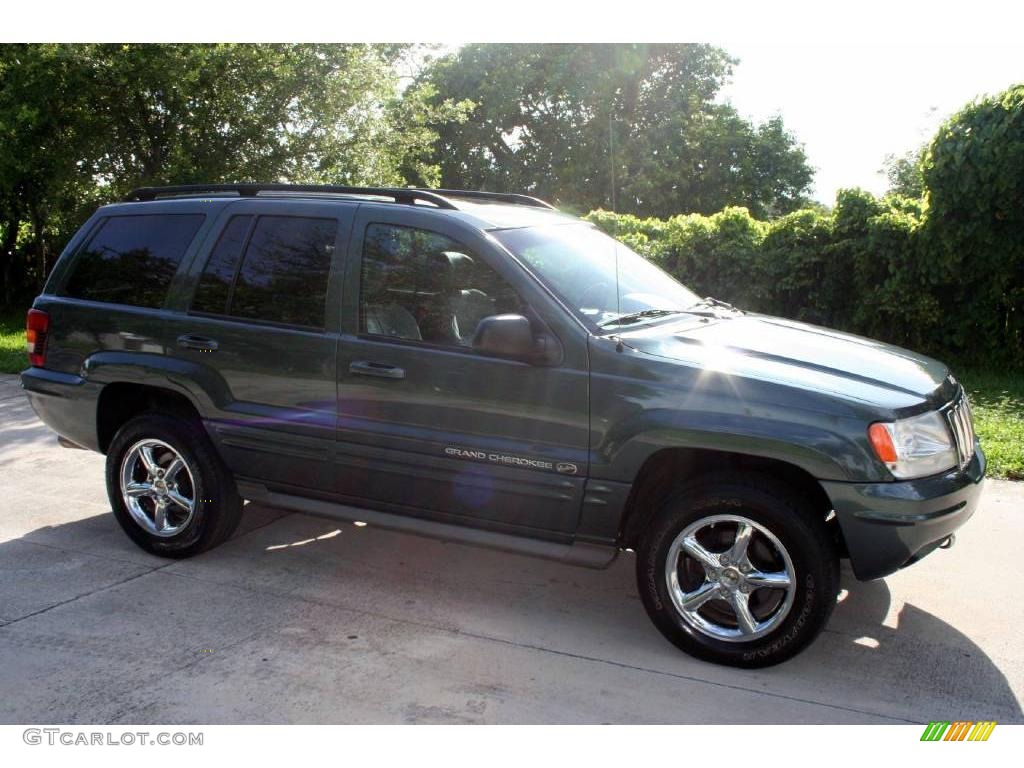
(398, 194)
(497, 197)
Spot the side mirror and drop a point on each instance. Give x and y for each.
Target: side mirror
(504, 336)
(513, 336)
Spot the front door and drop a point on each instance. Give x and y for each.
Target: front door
(426, 424)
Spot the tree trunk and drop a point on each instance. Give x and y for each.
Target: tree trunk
(42, 252)
(7, 253)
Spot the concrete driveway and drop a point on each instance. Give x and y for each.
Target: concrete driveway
(300, 620)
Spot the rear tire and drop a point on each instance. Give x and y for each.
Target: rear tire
(168, 487)
(738, 570)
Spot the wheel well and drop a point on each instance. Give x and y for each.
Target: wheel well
(122, 401)
(665, 469)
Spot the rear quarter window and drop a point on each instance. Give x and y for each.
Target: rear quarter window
(132, 259)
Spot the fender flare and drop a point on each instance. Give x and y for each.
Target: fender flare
(200, 384)
(822, 453)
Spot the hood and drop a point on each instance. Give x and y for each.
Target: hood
(798, 354)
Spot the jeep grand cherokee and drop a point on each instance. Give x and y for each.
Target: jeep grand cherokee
(482, 368)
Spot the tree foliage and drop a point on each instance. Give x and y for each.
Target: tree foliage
(942, 272)
(904, 172)
(864, 266)
(80, 124)
(974, 180)
(634, 127)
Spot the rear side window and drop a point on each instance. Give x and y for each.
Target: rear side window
(219, 275)
(281, 277)
(132, 259)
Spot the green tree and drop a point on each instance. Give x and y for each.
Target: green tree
(798, 273)
(904, 172)
(81, 124)
(42, 143)
(313, 113)
(630, 127)
(974, 179)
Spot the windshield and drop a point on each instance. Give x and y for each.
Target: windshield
(596, 275)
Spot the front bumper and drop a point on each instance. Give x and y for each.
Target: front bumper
(887, 526)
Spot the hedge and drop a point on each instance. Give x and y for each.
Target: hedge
(943, 274)
(867, 266)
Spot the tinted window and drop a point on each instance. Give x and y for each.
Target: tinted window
(132, 259)
(283, 277)
(219, 274)
(422, 286)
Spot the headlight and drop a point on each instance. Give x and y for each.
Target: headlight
(914, 447)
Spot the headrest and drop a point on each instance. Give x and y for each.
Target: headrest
(460, 269)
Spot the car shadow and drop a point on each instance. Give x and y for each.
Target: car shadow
(912, 657)
(907, 665)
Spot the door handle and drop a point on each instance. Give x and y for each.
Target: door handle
(381, 370)
(194, 341)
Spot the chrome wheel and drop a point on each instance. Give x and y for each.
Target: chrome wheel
(158, 488)
(730, 578)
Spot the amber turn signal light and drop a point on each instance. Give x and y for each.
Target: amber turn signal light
(881, 441)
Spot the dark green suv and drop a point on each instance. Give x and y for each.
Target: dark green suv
(482, 368)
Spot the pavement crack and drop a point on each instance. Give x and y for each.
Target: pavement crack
(90, 593)
(87, 553)
(553, 651)
(689, 678)
(143, 704)
(102, 556)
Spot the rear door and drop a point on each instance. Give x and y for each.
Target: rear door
(261, 321)
(426, 424)
(108, 293)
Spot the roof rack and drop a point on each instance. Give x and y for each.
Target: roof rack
(407, 195)
(399, 195)
(498, 197)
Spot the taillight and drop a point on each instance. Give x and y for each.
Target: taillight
(37, 324)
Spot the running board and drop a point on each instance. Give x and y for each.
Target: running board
(578, 553)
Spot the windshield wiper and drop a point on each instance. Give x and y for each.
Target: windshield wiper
(710, 301)
(635, 317)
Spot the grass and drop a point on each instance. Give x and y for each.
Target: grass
(997, 399)
(13, 358)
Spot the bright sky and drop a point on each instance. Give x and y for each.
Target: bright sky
(853, 105)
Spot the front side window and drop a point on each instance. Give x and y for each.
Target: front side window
(421, 286)
(599, 277)
(132, 259)
(280, 278)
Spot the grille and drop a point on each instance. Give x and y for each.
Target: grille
(958, 416)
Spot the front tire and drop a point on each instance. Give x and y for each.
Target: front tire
(737, 570)
(168, 487)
